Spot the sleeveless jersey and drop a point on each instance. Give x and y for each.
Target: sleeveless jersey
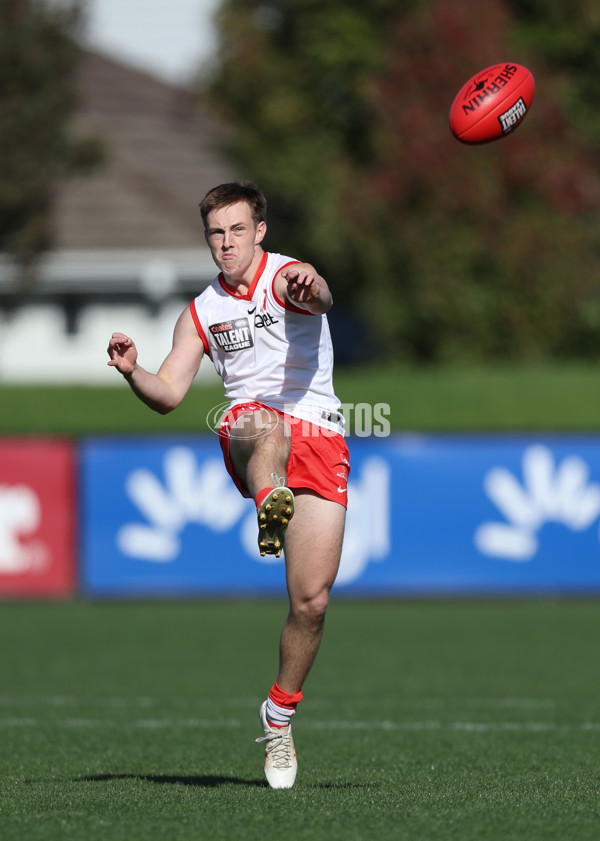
(267, 350)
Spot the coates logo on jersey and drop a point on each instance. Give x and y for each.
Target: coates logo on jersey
(232, 335)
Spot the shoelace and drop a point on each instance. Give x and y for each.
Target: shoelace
(278, 747)
(278, 481)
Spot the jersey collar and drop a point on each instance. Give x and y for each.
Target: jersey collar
(252, 288)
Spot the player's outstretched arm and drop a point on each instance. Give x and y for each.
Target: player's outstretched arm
(164, 390)
(303, 287)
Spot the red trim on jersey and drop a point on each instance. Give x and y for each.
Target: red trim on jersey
(250, 293)
(285, 304)
(199, 327)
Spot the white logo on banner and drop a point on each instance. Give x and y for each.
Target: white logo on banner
(190, 495)
(549, 493)
(206, 496)
(20, 515)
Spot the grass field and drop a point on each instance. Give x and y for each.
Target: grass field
(423, 721)
(504, 398)
(435, 720)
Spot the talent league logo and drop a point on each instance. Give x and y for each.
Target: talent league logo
(513, 116)
(232, 335)
(548, 493)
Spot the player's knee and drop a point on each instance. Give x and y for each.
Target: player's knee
(311, 609)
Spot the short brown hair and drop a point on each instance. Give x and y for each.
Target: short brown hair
(231, 193)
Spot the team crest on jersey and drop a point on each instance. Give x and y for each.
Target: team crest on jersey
(232, 335)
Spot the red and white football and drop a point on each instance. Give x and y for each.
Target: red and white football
(492, 103)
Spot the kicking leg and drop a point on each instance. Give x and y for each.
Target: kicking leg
(259, 445)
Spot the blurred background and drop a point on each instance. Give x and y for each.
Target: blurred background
(117, 117)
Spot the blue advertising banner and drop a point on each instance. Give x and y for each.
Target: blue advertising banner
(427, 515)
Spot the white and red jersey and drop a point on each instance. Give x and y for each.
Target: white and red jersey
(267, 350)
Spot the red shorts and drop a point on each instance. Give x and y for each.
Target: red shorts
(319, 458)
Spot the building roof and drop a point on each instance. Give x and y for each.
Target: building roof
(163, 152)
(129, 246)
(133, 226)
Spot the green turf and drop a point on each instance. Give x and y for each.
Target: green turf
(550, 397)
(428, 721)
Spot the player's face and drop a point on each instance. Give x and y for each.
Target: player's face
(233, 237)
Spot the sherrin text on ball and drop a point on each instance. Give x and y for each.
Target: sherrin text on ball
(492, 103)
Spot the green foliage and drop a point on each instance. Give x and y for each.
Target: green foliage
(38, 58)
(339, 111)
(295, 82)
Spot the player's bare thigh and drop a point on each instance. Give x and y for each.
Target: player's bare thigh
(259, 444)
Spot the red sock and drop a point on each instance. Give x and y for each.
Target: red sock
(281, 705)
(261, 495)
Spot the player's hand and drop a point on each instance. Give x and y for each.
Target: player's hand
(302, 286)
(123, 353)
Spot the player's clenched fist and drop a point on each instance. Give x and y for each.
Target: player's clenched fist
(122, 352)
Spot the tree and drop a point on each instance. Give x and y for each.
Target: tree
(38, 57)
(294, 82)
(498, 242)
(339, 109)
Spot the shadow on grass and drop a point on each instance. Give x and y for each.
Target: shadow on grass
(206, 781)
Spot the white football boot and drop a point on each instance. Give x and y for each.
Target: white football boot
(281, 764)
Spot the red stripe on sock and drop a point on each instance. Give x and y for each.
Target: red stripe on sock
(284, 699)
(261, 495)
